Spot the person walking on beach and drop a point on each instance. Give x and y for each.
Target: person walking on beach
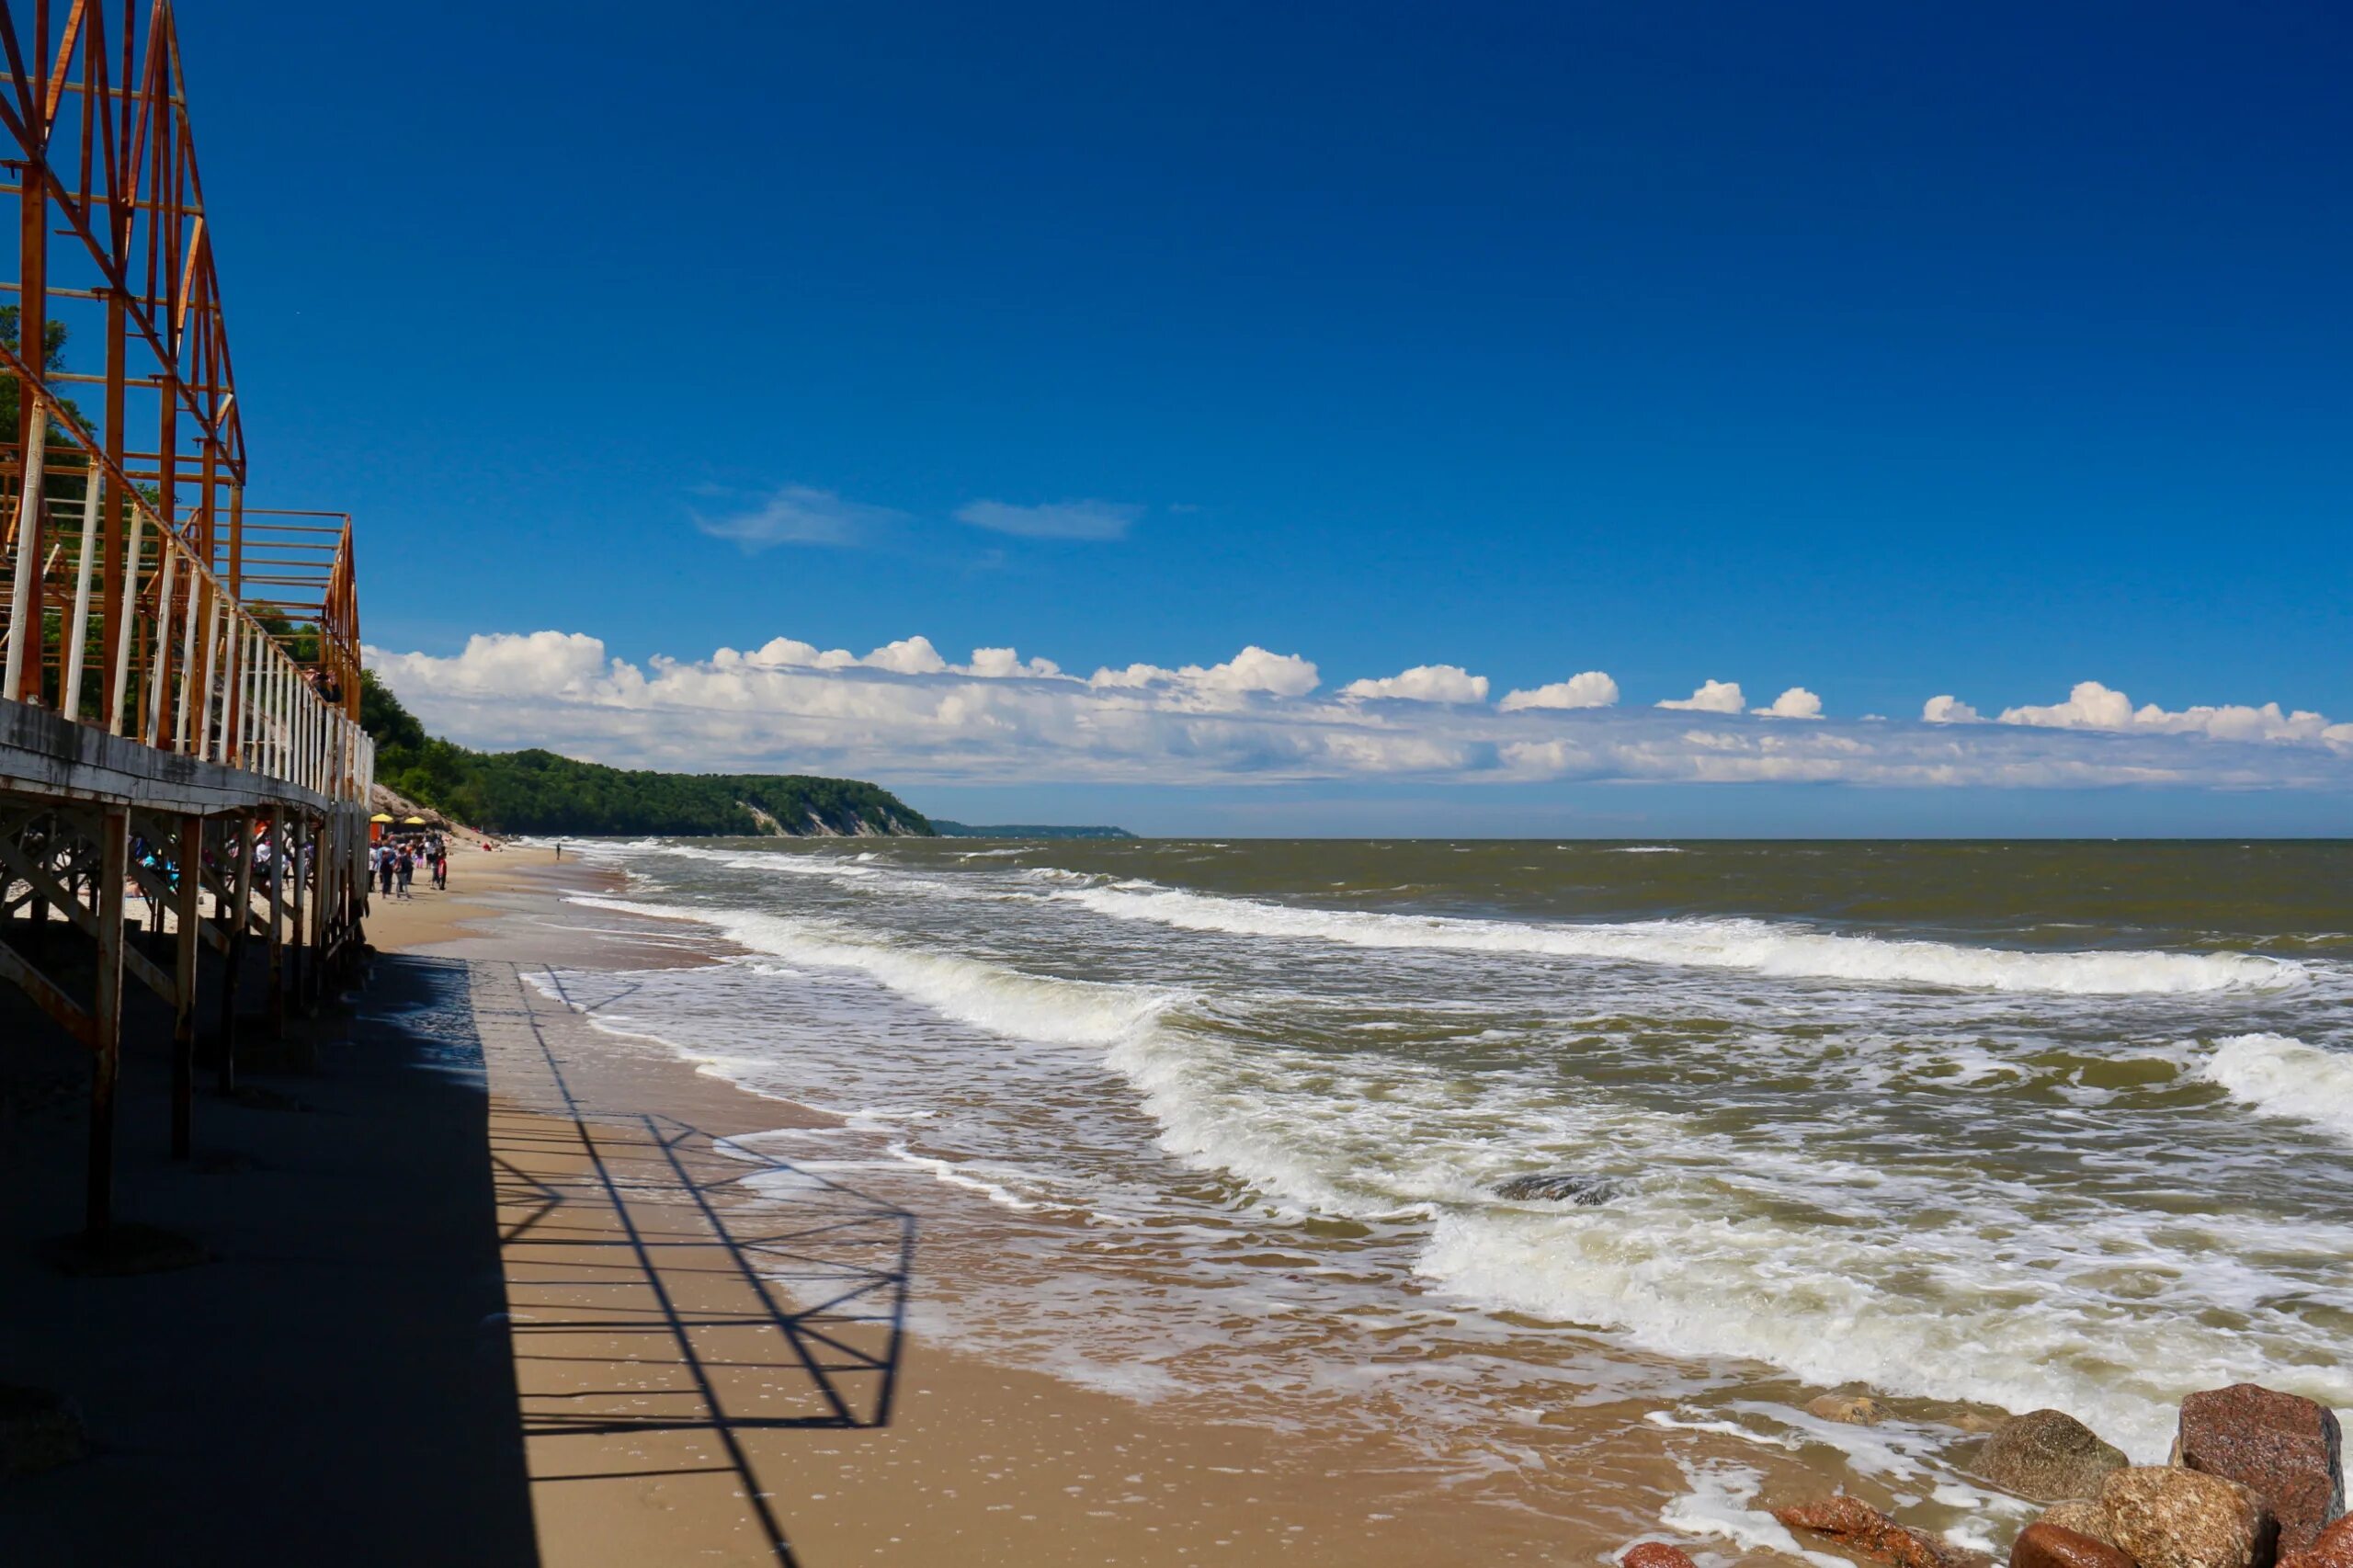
(406, 871)
(384, 869)
(440, 866)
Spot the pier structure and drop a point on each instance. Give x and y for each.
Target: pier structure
(182, 766)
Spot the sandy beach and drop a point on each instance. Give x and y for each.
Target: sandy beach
(466, 1246)
(677, 1408)
(511, 1281)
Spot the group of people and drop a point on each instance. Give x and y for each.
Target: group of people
(395, 863)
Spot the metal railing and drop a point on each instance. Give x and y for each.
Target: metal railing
(155, 645)
(128, 603)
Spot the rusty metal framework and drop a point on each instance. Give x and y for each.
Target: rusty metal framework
(178, 667)
(132, 600)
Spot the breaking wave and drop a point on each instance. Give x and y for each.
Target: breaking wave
(1760, 947)
(2282, 1077)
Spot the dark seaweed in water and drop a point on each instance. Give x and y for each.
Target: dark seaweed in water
(1559, 1186)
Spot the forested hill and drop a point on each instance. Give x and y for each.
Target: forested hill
(538, 792)
(947, 829)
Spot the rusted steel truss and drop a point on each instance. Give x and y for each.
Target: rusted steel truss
(135, 598)
(180, 697)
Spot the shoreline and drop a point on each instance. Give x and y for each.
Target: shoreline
(696, 1350)
(1063, 1473)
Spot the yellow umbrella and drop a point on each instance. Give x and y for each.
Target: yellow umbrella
(412, 821)
(381, 816)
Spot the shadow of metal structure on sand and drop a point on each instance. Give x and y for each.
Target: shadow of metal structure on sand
(672, 1293)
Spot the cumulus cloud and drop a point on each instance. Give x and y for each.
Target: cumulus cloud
(1253, 669)
(908, 655)
(1424, 683)
(1590, 689)
(1057, 519)
(2093, 706)
(1948, 710)
(1713, 696)
(1795, 703)
(544, 663)
(903, 711)
(1003, 664)
(797, 513)
(2090, 705)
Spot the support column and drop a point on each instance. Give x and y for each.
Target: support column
(277, 920)
(189, 915)
(240, 917)
(114, 870)
(305, 959)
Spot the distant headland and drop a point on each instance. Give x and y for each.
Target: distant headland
(1023, 830)
(539, 792)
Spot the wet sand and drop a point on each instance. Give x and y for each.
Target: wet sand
(487, 1288)
(677, 1408)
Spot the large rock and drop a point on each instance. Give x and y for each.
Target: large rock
(1854, 1409)
(2333, 1550)
(2048, 1455)
(2166, 1518)
(1863, 1530)
(2042, 1545)
(1655, 1554)
(2080, 1515)
(1559, 1186)
(2286, 1448)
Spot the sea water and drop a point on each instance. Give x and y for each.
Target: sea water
(1971, 1125)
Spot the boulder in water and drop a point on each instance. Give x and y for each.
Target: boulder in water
(2287, 1449)
(1854, 1409)
(2043, 1545)
(1863, 1530)
(2333, 1550)
(1559, 1186)
(2081, 1515)
(2163, 1516)
(1655, 1554)
(2048, 1455)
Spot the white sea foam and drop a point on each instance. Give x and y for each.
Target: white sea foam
(1721, 1504)
(1991, 1309)
(990, 996)
(2285, 1078)
(1763, 1223)
(1759, 945)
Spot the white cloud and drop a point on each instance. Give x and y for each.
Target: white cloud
(909, 656)
(544, 663)
(1713, 696)
(1057, 519)
(797, 513)
(1590, 689)
(2092, 706)
(1424, 683)
(1795, 703)
(1948, 710)
(1253, 669)
(1006, 663)
(904, 714)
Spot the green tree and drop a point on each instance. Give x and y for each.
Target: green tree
(53, 336)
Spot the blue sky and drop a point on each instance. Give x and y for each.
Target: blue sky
(1886, 352)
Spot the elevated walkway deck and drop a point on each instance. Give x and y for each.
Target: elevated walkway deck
(46, 757)
(179, 677)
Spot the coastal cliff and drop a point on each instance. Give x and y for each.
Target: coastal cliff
(538, 792)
